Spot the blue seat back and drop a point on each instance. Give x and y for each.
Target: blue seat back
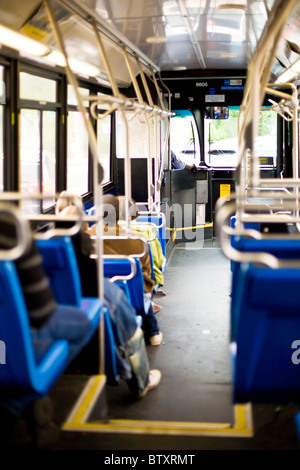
(20, 370)
(267, 327)
(235, 239)
(117, 266)
(281, 248)
(60, 264)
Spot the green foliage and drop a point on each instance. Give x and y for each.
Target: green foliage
(221, 129)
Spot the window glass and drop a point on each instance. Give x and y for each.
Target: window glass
(138, 136)
(2, 102)
(48, 156)
(72, 99)
(221, 140)
(37, 88)
(266, 144)
(30, 170)
(164, 132)
(37, 164)
(184, 139)
(77, 154)
(103, 138)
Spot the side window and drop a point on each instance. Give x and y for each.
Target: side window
(138, 136)
(77, 145)
(37, 140)
(184, 138)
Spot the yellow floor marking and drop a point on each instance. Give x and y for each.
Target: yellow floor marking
(87, 399)
(181, 229)
(78, 420)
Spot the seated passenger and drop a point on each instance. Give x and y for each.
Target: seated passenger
(158, 257)
(114, 210)
(132, 366)
(84, 248)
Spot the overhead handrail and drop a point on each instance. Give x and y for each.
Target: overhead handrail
(122, 102)
(90, 16)
(155, 213)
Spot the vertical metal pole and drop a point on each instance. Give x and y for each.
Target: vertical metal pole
(149, 159)
(97, 167)
(127, 160)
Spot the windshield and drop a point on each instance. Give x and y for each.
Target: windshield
(221, 139)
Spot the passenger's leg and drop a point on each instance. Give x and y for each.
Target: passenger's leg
(67, 322)
(139, 363)
(151, 329)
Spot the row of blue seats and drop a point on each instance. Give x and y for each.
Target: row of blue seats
(60, 264)
(265, 324)
(61, 268)
(159, 222)
(21, 371)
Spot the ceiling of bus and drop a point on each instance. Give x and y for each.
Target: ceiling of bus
(173, 34)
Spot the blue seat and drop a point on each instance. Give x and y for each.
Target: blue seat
(267, 331)
(20, 371)
(234, 239)
(122, 267)
(281, 248)
(61, 267)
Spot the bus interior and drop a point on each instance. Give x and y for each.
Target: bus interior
(96, 96)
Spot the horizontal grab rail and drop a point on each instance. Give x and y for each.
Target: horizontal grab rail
(122, 277)
(155, 213)
(225, 211)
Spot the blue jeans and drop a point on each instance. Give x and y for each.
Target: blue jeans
(133, 365)
(150, 325)
(68, 323)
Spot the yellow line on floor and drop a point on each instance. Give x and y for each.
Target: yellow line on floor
(87, 399)
(78, 420)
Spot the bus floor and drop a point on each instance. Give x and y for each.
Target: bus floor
(192, 408)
